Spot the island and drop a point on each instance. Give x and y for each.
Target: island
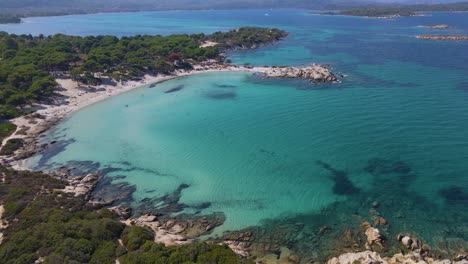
(442, 37)
(439, 26)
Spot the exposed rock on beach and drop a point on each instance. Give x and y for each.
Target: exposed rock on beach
(314, 73)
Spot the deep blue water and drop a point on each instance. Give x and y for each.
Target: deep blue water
(277, 153)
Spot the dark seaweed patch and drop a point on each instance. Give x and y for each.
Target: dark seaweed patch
(454, 194)
(225, 86)
(168, 203)
(110, 193)
(342, 184)
(463, 86)
(51, 150)
(222, 96)
(175, 89)
(385, 166)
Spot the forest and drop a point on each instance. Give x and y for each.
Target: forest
(30, 64)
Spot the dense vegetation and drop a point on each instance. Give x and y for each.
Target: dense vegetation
(4, 19)
(45, 222)
(402, 10)
(6, 129)
(29, 64)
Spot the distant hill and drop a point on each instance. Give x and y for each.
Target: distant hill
(24, 8)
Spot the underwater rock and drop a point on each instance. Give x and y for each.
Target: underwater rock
(454, 194)
(175, 89)
(222, 96)
(342, 184)
(384, 166)
(225, 86)
(107, 192)
(378, 220)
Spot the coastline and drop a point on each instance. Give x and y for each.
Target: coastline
(72, 97)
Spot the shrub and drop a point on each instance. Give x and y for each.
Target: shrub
(11, 146)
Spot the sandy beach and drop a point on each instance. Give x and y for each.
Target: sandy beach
(72, 97)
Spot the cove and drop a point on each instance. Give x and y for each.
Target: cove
(271, 153)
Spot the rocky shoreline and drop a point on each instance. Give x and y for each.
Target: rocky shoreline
(269, 244)
(313, 73)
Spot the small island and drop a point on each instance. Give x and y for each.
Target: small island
(442, 37)
(379, 12)
(439, 26)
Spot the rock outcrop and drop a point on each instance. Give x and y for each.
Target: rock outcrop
(178, 230)
(370, 257)
(419, 253)
(82, 186)
(315, 73)
(373, 236)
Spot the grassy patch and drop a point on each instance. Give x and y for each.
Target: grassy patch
(6, 129)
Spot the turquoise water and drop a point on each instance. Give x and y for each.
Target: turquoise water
(272, 153)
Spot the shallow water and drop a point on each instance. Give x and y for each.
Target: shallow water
(269, 152)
